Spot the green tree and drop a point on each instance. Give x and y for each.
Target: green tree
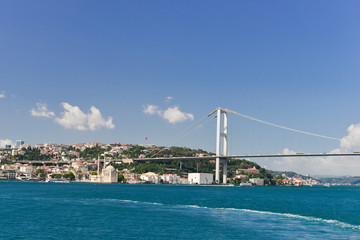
(69, 176)
(121, 178)
(278, 180)
(40, 173)
(56, 175)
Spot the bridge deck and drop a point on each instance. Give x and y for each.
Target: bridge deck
(209, 157)
(253, 156)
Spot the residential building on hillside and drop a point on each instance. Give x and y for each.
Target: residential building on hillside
(249, 170)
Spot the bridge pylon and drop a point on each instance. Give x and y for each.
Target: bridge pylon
(224, 135)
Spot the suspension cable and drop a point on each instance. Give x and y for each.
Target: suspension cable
(182, 134)
(279, 126)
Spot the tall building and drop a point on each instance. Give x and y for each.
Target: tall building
(19, 143)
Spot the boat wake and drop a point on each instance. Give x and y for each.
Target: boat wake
(136, 202)
(285, 215)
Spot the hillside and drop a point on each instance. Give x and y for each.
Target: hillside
(289, 174)
(342, 180)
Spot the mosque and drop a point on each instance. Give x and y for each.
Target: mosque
(108, 175)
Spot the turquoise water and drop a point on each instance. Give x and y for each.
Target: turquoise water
(39, 210)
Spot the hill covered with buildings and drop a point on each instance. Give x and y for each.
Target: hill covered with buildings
(87, 161)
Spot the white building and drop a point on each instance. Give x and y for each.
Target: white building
(257, 181)
(127, 160)
(108, 175)
(184, 181)
(150, 177)
(27, 170)
(200, 178)
(170, 178)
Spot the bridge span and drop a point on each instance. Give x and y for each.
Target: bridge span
(222, 157)
(213, 157)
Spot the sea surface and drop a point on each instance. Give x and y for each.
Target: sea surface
(39, 210)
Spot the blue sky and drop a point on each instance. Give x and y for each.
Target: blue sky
(294, 63)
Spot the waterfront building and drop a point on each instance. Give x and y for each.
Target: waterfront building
(170, 178)
(200, 178)
(257, 181)
(184, 181)
(286, 182)
(297, 181)
(128, 175)
(2, 176)
(10, 174)
(108, 175)
(26, 169)
(150, 177)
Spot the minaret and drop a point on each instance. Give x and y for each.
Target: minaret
(98, 168)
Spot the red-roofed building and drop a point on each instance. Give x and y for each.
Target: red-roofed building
(249, 170)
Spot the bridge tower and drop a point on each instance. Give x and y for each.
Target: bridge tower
(220, 134)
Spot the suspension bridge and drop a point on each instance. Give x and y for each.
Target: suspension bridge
(221, 158)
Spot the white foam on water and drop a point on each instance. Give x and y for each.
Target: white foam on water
(136, 202)
(193, 206)
(287, 215)
(290, 215)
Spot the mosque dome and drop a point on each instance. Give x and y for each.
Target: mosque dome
(110, 168)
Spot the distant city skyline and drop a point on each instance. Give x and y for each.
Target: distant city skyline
(145, 71)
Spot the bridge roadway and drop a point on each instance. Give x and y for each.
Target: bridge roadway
(252, 156)
(35, 162)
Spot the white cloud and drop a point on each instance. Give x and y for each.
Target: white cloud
(96, 121)
(351, 142)
(318, 165)
(172, 115)
(151, 109)
(325, 165)
(168, 99)
(4, 142)
(287, 151)
(74, 118)
(41, 111)
(2, 94)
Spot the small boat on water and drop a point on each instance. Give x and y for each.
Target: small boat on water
(327, 185)
(57, 180)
